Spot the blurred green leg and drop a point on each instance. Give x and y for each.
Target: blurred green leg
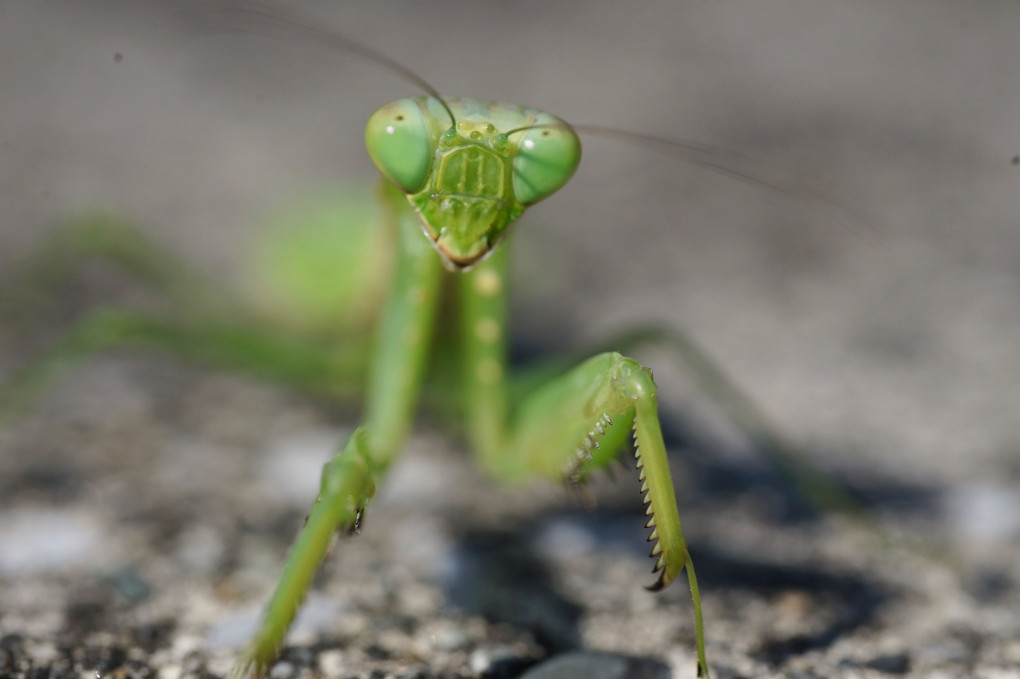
(38, 280)
(302, 365)
(811, 483)
(817, 487)
(349, 480)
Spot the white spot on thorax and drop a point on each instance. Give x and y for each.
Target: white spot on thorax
(488, 283)
(487, 330)
(488, 371)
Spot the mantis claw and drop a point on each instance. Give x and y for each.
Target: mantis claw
(355, 527)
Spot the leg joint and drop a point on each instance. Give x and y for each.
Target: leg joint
(350, 472)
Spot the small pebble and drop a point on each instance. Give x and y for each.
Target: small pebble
(487, 660)
(331, 663)
(172, 671)
(282, 670)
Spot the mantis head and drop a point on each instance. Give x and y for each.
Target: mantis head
(471, 179)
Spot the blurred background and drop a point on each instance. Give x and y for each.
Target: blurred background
(884, 346)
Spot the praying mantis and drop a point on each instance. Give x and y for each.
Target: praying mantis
(468, 168)
(458, 172)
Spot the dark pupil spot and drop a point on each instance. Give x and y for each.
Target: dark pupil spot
(400, 118)
(545, 133)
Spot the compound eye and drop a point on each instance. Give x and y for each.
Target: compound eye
(399, 142)
(547, 157)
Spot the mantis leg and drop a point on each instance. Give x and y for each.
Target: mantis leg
(570, 425)
(99, 235)
(200, 318)
(816, 487)
(819, 489)
(349, 479)
(299, 364)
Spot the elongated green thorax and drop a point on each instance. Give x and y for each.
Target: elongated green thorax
(470, 178)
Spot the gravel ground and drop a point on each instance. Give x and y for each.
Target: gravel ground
(145, 505)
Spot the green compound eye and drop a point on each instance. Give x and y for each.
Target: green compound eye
(399, 142)
(546, 159)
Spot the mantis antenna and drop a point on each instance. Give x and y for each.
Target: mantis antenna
(271, 21)
(740, 167)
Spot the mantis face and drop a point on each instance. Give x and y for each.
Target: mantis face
(469, 180)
